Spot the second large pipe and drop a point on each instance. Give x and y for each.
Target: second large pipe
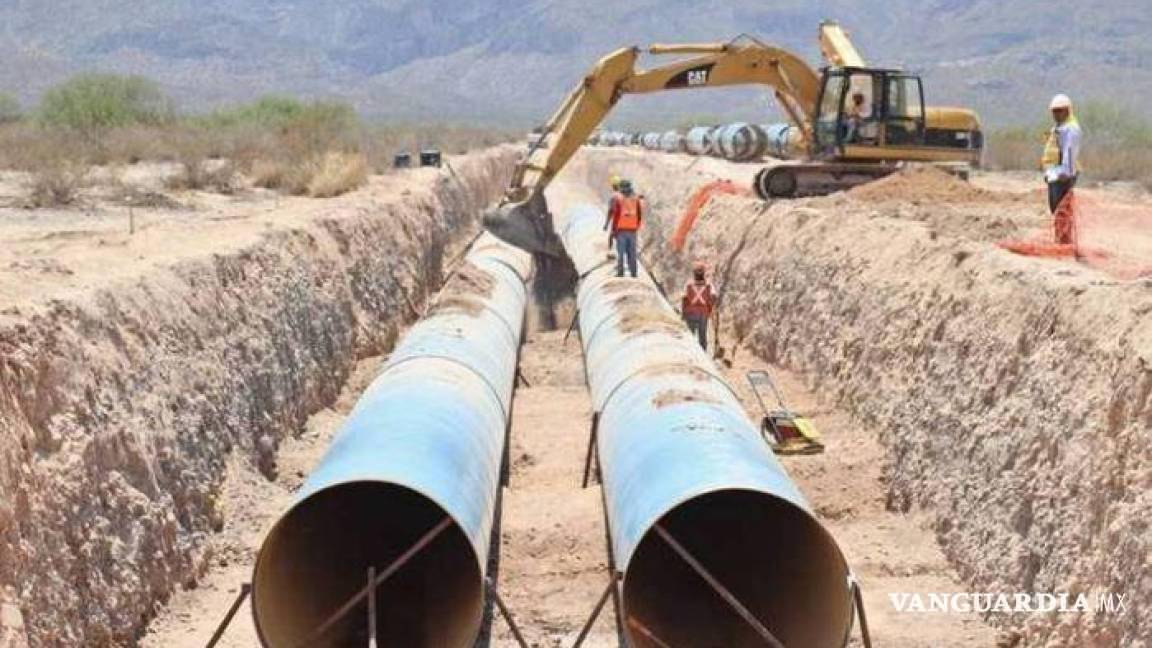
(700, 512)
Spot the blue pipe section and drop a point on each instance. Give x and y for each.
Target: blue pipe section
(431, 429)
(671, 432)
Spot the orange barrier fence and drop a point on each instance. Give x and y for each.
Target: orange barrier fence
(697, 202)
(1111, 236)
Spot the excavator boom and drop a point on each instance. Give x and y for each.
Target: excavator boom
(843, 147)
(523, 219)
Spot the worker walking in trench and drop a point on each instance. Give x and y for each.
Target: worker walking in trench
(1061, 164)
(625, 214)
(697, 304)
(613, 182)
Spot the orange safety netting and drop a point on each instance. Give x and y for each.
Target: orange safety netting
(1104, 233)
(697, 202)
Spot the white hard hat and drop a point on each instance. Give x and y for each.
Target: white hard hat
(1060, 101)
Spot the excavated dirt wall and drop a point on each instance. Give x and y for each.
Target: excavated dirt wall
(119, 408)
(1013, 394)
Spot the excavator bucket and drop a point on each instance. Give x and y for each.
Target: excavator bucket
(527, 225)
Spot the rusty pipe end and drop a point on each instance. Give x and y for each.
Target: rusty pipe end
(772, 555)
(317, 558)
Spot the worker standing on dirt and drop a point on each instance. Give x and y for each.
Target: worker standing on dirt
(1061, 163)
(697, 304)
(625, 216)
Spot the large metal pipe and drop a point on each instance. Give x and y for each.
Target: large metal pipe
(422, 448)
(680, 456)
(740, 142)
(699, 140)
(782, 140)
(672, 142)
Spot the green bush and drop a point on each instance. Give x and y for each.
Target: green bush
(10, 110)
(95, 102)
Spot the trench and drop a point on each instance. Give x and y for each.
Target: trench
(275, 354)
(1009, 395)
(127, 409)
(549, 552)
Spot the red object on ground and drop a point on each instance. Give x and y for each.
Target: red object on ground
(1097, 232)
(697, 202)
(1064, 220)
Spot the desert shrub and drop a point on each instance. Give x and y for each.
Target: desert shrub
(335, 173)
(316, 148)
(90, 103)
(199, 169)
(16, 140)
(10, 110)
(56, 174)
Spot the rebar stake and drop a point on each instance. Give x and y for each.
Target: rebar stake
(245, 590)
(592, 445)
(504, 612)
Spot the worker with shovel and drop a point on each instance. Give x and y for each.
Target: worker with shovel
(1061, 163)
(697, 304)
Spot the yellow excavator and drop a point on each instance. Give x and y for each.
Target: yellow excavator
(853, 123)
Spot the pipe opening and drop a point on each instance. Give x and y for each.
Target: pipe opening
(774, 557)
(317, 557)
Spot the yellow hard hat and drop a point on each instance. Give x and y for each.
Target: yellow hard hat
(614, 181)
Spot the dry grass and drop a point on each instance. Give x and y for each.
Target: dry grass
(319, 149)
(199, 171)
(55, 173)
(338, 173)
(56, 185)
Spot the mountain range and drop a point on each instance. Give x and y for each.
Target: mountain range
(512, 61)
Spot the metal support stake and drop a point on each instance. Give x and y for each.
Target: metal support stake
(595, 613)
(521, 381)
(371, 608)
(858, 595)
(504, 612)
(728, 597)
(643, 629)
(313, 639)
(571, 327)
(591, 449)
(245, 590)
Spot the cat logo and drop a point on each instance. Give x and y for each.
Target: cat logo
(691, 78)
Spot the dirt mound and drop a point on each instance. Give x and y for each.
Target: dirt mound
(925, 184)
(1012, 394)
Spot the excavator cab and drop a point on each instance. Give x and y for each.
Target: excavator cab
(864, 124)
(862, 111)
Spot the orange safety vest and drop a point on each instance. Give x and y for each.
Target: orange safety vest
(698, 299)
(627, 214)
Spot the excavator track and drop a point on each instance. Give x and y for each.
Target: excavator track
(794, 180)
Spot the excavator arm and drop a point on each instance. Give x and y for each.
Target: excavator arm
(523, 219)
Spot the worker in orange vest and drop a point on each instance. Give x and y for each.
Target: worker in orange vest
(625, 213)
(698, 303)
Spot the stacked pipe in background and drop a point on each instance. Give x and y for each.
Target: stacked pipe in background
(739, 142)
